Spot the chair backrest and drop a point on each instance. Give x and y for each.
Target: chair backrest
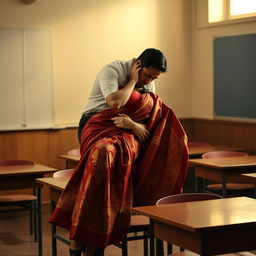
(74, 152)
(216, 154)
(189, 197)
(16, 162)
(197, 144)
(63, 173)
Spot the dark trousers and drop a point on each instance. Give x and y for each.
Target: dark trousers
(82, 122)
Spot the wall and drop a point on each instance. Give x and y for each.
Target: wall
(40, 146)
(202, 56)
(220, 132)
(89, 34)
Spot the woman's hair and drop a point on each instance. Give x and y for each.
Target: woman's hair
(153, 58)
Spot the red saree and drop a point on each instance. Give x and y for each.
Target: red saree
(117, 171)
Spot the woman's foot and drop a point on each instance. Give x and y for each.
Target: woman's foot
(77, 252)
(99, 252)
(93, 251)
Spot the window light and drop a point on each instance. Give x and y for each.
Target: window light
(222, 10)
(215, 11)
(240, 7)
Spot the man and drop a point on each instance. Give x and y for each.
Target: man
(116, 81)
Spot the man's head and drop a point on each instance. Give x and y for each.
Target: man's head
(153, 63)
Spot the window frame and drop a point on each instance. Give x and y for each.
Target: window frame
(227, 17)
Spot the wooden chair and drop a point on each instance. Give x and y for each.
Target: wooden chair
(189, 253)
(197, 144)
(238, 186)
(54, 234)
(22, 202)
(63, 173)
(74, 152)
(179, 198)
(138, 223)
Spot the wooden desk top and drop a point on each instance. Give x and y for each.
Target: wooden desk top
(204, 215)
(25, 170)
(70, 158)
(252, 176)
(197, 151)
(225, 162)
(57, 183)
(193, 151)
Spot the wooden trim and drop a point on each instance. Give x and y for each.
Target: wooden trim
(44, 146)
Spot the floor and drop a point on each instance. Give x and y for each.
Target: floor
(16, 241)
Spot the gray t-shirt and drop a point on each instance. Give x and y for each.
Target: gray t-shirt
(109, 79)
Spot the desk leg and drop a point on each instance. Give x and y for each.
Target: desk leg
(34, 218)
(159, 247)
(203, 249)
(53, 232)
(196, 184)
(39, 222)
(224, 184)
(151, 237)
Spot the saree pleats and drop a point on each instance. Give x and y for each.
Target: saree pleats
(117, 171)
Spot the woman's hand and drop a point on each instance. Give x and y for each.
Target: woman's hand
(125, 122)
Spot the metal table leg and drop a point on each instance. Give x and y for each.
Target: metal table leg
(39, 222)
(53, 232)
(151, 237)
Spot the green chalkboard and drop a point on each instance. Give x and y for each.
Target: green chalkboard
(235, 76)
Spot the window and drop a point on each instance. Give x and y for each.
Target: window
(223, 10)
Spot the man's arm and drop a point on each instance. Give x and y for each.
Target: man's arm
(120, 97)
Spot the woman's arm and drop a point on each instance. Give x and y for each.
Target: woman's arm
(120, 97)
(138, 129)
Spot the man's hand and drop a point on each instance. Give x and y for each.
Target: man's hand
(125, 122)
(120, 97)
(134, 75)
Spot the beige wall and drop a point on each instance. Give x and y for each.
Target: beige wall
(88, 34)
(202, 56)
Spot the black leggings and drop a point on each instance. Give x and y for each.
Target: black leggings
(82, 122)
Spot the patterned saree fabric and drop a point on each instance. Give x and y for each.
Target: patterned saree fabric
(117, 171)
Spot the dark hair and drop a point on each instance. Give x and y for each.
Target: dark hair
(153, 58)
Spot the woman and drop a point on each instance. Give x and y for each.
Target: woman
(132, 153)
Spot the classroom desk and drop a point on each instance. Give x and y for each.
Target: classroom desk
(194, 152)
(207, 227)
(23, 177)
(225, 169)
(250, 177)
(197, 151)
(71, 161)
(56, 186)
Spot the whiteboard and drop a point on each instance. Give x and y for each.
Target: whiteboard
(26, 100)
